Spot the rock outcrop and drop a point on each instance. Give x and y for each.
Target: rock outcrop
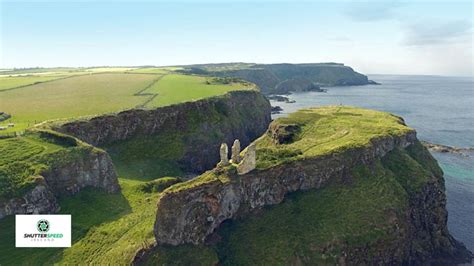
(95, 169)
(62, 172)
(36, 201)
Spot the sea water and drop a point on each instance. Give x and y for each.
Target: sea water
(441, 109)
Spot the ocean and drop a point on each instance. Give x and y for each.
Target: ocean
(441, 109)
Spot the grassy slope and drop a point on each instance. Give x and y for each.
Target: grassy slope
(327, 130)
(22, 158)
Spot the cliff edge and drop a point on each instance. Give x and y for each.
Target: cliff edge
(41, 165)
(358, 185)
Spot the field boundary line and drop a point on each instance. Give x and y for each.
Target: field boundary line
(72, 76)
(153, 95)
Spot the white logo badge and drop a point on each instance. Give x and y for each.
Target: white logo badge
(43, 230)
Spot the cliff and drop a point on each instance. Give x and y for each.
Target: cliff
(190, 132)
(285, 78)
(42, 165)
(373, 195)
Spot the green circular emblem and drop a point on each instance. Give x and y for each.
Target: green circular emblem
(42, 226)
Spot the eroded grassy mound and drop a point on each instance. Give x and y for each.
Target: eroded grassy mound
(23, 159)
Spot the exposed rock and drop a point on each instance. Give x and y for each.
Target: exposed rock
(283, 134)
(447, 149)
(279, 98)
(94, 169)
(4, 116)
(276, 109)
(371, 82)
(296, 85)
(39, 200)
(236, 152)
(75, 169)
(249, 162)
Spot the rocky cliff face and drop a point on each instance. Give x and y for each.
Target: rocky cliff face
(285, 78)
(38, 200)
(95, 169)
(65, 172)
(201, 126)
(204, 207)
(418, 234)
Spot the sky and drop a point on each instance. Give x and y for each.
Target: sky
(373, 37)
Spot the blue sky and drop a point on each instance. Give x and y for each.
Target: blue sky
(390, 37)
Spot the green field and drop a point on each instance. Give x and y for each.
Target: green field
(175, 88)
(89, 92)
(8, 82)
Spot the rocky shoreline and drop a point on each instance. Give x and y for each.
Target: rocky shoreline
(447, 149)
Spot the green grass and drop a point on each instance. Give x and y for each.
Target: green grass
(155, 70)
(7, 82)
(175, 88)
(327, 130)
(75, 97)
(23, 158)
(148, 157)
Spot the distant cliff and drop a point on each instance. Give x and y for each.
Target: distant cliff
(390, 208)
(285, 78)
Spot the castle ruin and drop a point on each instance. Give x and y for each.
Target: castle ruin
(236, 152)
(245, 164)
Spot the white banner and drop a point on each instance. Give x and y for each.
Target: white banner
(43, 230)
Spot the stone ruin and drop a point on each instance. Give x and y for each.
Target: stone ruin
(224, 153)
(236, 152)
(249, 162)
(245, 164)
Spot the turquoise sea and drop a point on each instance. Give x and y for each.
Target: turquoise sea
(441, 109)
